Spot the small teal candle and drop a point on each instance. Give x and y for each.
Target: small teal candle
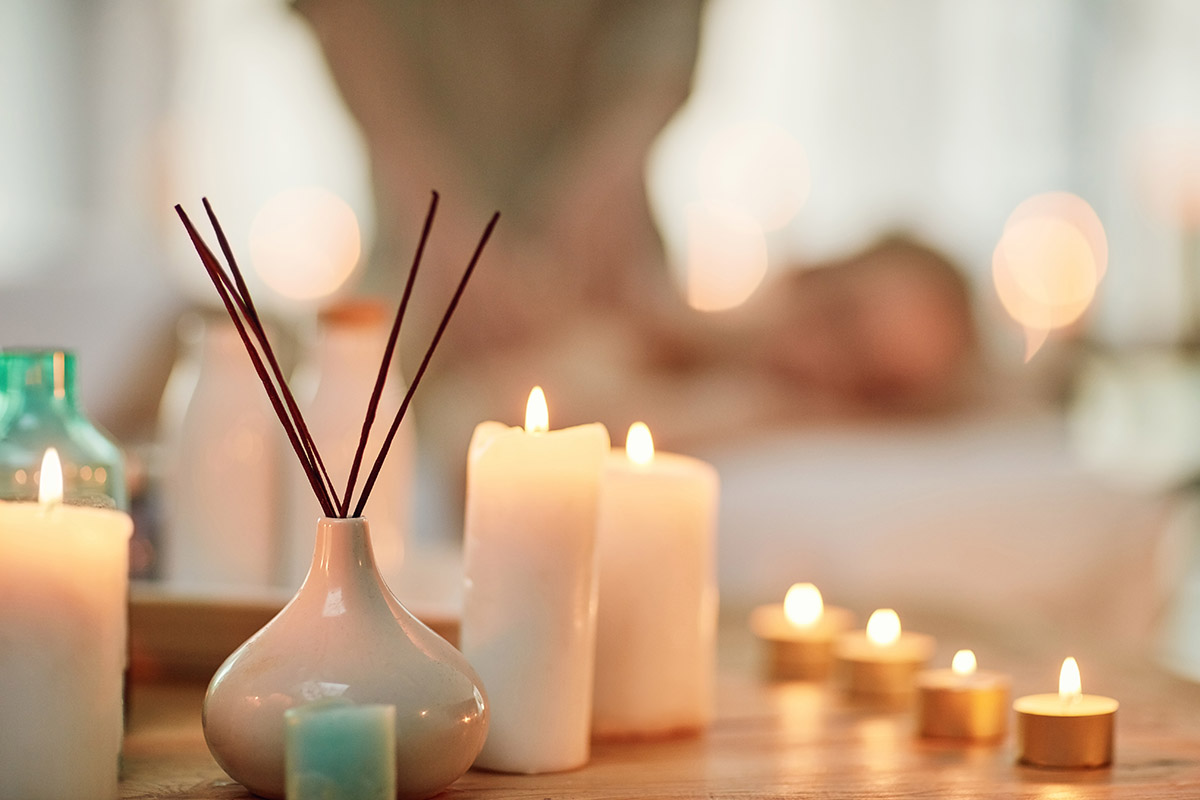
(337, 750)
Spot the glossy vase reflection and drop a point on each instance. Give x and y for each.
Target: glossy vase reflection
(39, 408)
(345, 635)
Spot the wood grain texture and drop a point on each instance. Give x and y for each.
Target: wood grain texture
(776, 740)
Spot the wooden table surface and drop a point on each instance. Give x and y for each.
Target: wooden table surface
(774, 740)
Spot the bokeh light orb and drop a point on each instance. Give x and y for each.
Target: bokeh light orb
(305, 243)
(1048, 264)
(1169, 172)
(1051, 264)
(757, 168)
(1074, 211)
(726, 257)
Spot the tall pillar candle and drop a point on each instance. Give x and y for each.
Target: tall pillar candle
(656, 623)
(529, 604)
(63, 588)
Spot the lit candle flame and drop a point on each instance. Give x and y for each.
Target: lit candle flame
(639, 444)
(1070, 688)
(802, 605)
(537, 416)
(964, 663)
(50, 489)
(883, 628)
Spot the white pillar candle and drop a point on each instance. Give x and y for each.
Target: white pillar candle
(529, 604)
(63, 589)
(656, 624)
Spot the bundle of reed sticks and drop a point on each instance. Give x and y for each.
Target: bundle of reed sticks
(231, 287)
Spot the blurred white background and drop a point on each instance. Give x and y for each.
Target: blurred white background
(934, 117)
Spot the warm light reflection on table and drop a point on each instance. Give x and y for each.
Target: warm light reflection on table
(775, 740)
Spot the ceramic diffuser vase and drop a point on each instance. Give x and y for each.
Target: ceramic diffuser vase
(344, 635)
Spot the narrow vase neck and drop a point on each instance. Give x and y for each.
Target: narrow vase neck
(343, 578)
(343, 546)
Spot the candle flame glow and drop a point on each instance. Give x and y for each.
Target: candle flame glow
(50, 489)
(964, 663)
(802, 605)
(1070, 687)
(639, 444)
(883, 628)
(537, 416)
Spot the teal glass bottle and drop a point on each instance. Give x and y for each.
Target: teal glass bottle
(39, 408)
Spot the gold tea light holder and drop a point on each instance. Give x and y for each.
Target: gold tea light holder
(798, 635)
(1068, 730)
(880, 664)
(963, 703)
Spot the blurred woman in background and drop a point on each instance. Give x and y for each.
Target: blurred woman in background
(546, 111)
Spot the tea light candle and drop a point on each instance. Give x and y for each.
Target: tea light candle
(336, 750)
(63, 589)
(799, 634)
(657, 618)
(1068, 729)
(883, 660)
(529, 600)
(962, 702)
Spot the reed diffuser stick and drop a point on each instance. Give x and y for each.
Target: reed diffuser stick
(389, 350)
(437, 337)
